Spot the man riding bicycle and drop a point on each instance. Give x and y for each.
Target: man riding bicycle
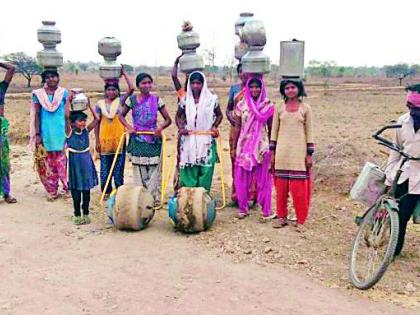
(408, 139)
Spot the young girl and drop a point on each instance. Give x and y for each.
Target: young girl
(109, 131)
(292, 142)
(82, 172)
(251, 138)
(145, 150)
(198, 111)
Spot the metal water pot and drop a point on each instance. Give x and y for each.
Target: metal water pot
(49, 35)
(109, 48)
(255, 61)
(241, 48)
(254, 33)
(243, 18)
(50, 58)
(292, 58)
(79, 101)
(188, 40)
(110, 70)
(191, 61)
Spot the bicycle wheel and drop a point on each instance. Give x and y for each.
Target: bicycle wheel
(374, 245)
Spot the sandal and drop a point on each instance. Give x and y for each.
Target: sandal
(52, 197)
(78, 220)
(300, 228)
(86, 219)
(66, 195)
(279, 223)
(241, 216)
(263, 219)
(9, 199)
(157, 205)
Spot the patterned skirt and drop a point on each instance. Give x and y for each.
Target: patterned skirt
(144, 153)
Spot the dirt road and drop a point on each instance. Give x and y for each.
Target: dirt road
(49, 266)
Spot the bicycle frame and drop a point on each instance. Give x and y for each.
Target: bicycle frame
(393, 146)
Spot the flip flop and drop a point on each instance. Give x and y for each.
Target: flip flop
(241, 216)
(9, 199)
(279, 223)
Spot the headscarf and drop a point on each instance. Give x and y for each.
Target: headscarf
(195, 149)
(413, 97)
(259, 112)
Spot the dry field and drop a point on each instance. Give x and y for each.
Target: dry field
(347, 112)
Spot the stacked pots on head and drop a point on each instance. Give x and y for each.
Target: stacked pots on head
(49, 36)
(110, 49)
(255, 61)
(188, 42)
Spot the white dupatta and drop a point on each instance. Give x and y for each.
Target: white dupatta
(195, 149)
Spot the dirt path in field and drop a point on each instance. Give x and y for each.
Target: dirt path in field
(49, 266)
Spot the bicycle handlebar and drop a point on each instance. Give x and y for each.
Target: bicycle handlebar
(391, 145)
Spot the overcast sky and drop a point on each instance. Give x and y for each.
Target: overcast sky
(357, 32)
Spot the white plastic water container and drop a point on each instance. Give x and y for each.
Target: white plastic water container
(370, 184)
(292, 58)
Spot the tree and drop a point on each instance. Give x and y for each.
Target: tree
(25, 65)
(400, 71)
(209, 57)
(83, 66)
(73, 68)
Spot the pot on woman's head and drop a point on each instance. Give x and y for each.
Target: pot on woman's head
(243, 18)
(253, 33)
(109, 48)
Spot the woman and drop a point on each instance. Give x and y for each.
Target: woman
(4, 140)
(252, 134)
(109, 131)
(293, 144)
(198, 111)
(47, 133)
(145, 150)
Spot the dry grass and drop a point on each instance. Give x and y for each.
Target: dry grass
(345, 114)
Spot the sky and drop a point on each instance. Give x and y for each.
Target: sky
(351, 33)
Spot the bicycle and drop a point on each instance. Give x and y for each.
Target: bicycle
(376, 239)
